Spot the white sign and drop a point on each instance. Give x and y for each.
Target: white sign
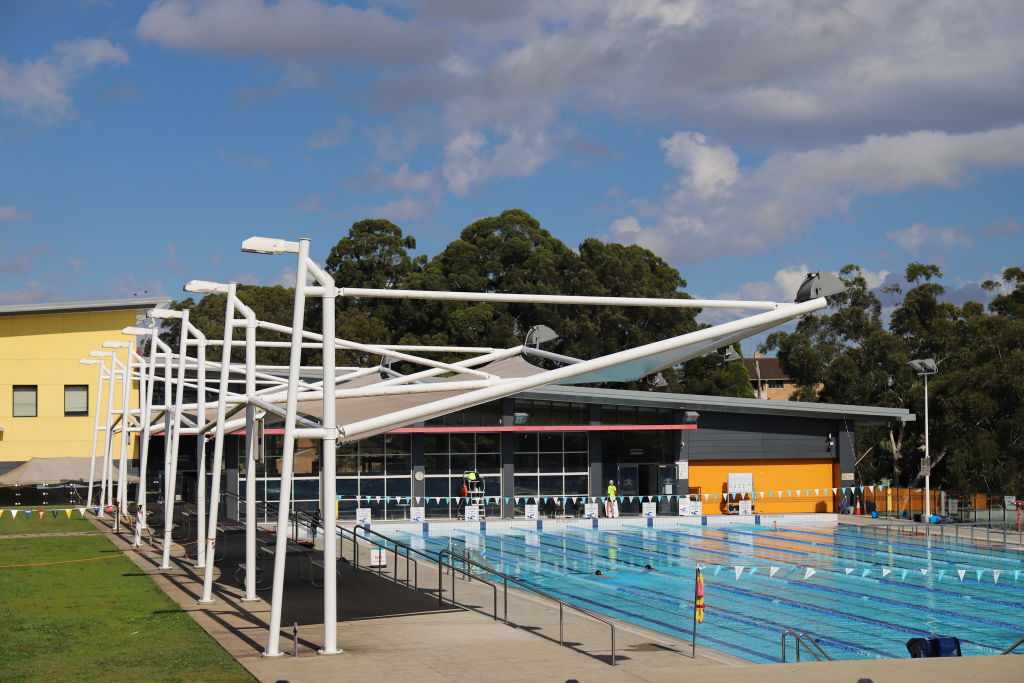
(378, 558)
(590, 510)
(417, 513)
(363, 515)
(746, 507)
(846, 476)
(532, 511)
(741, 482)
(684, 507)
(682, 469)
(649, 509)
(472, 513)
(696, 508)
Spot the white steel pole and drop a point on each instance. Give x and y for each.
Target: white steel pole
(147, 411)
(95, 430)
(927, 459)
(108, 441)
(294, 365)
(201, 453)
(122, 475)
(328, 483)
(251, 445)
(218, 446)
(172, 437)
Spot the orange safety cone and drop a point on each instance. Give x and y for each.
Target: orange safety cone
(857, 510)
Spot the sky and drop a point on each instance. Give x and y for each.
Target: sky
(744, 142)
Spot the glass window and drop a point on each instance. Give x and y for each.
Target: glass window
(76, 400)
(437, 486)
(526, 443)
(551, 442)
(576, 484)
(305, 489)
(462, 462)
(526, 462)
(348, 487)
(371, 486)
(397, 464)
(462, 443)
(347, 465)
(371, 464)
(436, 463)
(25, 400)
(435, 443)
(550, 485)
(550, 462)
(575, 441)
(398, 486)
(576, 462)
(373, 445)
(398, 443)
(488, 463)
(488, 443)
(525, 486)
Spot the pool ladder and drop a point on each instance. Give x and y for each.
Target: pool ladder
(812, 647)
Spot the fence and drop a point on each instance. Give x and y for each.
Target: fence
(907, 503)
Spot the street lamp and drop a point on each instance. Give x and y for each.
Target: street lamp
(925, 367)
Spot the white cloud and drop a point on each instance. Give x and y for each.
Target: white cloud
(311, 204)
(403, 178)
(333, 137)
(39, 89)
(778, 199)
(10, 213)
(468, 160)
(406, 209)
(919, 237)
(289, 29)
(875, 279)
(708, 170)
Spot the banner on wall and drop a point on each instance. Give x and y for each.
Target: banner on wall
(532, 511)
(590, 510)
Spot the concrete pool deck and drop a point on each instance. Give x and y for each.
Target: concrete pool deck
(390, 631)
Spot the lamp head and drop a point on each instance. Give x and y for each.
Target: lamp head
(205, 287)
(539, 334)
(269, 245)
(163, 313)
(924, 366)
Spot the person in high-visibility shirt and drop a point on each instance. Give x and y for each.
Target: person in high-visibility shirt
(611, 503)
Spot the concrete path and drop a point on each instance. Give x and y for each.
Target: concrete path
(389, 631)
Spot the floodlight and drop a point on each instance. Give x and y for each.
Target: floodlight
(520, 418)
(116, 345)
(690, 417)
(163, 312)
(269, 245)
(204, 287)
(817, 285)
(138, 331)
(924, 365)
(539, 334)
(727, 354)
(657, 381)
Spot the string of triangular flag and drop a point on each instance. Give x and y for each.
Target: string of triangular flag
(875, 571)
(32, 513)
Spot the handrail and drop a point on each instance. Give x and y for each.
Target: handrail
(508, 579)
(809, 644)
(394, 551)
(469, 574)
(1012, 647)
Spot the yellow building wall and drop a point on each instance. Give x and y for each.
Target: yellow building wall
(44, 350)
(712, 476)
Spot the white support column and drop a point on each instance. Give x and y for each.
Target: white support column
(172, 436)
(201, 453)
(218, 446)
(251, 445)
(328, 485)
(108, 440)
(95, 430)
(122, 475)
(287, 455)
(146, 414)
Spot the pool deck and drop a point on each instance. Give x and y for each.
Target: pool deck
(389, 631)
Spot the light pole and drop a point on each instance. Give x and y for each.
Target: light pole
(925, 367)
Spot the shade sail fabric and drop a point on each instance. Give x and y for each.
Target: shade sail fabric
(55, 471)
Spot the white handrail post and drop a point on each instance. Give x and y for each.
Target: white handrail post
(218, 445)
(294, 365)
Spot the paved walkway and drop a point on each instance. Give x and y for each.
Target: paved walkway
(389, 631)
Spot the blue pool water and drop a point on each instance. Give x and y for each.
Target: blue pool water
(824, 581)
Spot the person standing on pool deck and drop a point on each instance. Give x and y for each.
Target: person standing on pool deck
(611, 505)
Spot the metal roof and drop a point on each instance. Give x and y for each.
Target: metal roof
(86, 306)
(721, 404)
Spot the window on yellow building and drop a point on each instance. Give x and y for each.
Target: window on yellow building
(25, 400)
(76, 400)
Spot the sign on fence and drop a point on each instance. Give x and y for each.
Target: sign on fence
(363, 515)
(590, 510)
(417, 513)
(531, 510)
(649, 509)
(378, 558)
(472, 513)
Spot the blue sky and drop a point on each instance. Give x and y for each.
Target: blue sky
(745, 143)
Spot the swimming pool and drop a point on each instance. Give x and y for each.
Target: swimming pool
(859, 592)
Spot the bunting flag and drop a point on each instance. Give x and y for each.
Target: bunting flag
(772, 571)
(69, 511)
(866, 572)
(942, 572)
(978, 574)
(995, 575)
(924, 572)
(42, 513)
(809, 573)
(848, 570)
(54, 513)
(886, 572)
(960, 573)
(698, 603)
(718, 568)
(904, 576)
(739, 570)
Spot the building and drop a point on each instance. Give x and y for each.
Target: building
(768, 378)
(48, 400)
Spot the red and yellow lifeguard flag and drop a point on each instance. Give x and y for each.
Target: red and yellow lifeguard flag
(698, 603)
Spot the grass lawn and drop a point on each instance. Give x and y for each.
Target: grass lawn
(99, 620)
(47, 524)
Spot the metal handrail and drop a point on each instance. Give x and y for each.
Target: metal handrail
(507, 580)
(1012, 647)
(809, 644)
(394, 551)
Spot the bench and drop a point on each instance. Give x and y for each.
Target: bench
(266, 549)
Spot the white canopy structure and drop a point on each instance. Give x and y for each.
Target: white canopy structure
(365, 401)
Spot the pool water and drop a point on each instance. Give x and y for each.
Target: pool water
(859, 592)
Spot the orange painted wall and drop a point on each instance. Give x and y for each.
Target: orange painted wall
(770, 475)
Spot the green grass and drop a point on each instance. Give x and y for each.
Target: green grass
(99, 620)
(45, 525)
